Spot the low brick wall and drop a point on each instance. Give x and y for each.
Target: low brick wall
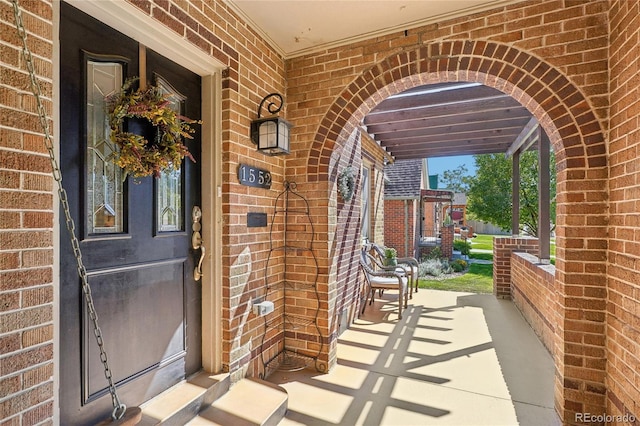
(534, 293)
(502, 249)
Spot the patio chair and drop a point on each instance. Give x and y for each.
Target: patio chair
(409, 264)
(378, 278)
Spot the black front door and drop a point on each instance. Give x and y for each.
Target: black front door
(135, 233)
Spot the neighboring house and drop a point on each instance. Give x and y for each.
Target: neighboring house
(414, 215)
(404, 181)
(458, 212)
(459, 209)
(437, 230)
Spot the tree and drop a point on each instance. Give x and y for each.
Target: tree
(457, 180)
(489, 196)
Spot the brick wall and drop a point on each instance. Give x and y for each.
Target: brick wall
(552, 56)
(26, 197)
(26, 225)
(398, 217)
(534, 293)
(254, 69)
(340, 294)
(342, 291)
(503, 247)
(623, 283)
(446, 242)
(400, 226)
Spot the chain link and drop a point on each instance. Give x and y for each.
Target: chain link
(119, 409)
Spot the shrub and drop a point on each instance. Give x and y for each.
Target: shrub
(433, 267)
(458, 265)
(463, 246)
(435, 253)
(438, 267)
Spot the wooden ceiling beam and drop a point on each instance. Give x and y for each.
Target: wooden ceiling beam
(524, 136)
(434, 86)
(448, 119)
(404, 155)
(462, 143)
(454, 134)
(446, 128)
(474, 106)
(482, 139)
(426, 122)
(422, 100)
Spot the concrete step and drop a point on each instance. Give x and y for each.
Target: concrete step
(250, 402)
(182, 402)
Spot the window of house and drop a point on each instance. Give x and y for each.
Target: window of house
(365, 210)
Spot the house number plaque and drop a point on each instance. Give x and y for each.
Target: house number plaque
(253, 176)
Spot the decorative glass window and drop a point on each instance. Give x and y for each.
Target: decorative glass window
(169, 204)
(105, 197)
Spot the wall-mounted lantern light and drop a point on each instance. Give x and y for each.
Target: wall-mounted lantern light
(271, 134)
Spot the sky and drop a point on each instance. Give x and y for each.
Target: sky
(437, 166)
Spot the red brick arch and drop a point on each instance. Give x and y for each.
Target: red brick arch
(580, 149)
(560, 107)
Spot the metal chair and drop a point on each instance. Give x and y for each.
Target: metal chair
(378, 278)
(408, 264)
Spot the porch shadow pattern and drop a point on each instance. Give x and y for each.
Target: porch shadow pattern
(455, 358)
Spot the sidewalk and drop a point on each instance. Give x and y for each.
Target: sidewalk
(457, 255)
(454, 359)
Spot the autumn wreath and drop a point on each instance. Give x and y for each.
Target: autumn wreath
(136, 155)
(346, 184)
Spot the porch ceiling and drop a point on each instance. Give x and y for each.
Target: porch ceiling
(298, 27)
(448, 119)
(430, 121)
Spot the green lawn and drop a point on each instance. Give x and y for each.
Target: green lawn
(478, 279)
(485, 242)
(483, 256)
(482, 242)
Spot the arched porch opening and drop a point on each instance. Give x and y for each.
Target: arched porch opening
(578, 141)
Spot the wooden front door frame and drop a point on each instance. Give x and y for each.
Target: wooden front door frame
(132, 22)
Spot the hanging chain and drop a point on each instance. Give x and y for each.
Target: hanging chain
(118, 408)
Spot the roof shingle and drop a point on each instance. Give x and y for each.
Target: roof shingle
(404, 179)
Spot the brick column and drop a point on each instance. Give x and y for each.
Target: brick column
(502, 249)
(447, 241)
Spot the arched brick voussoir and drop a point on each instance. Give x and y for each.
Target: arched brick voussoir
(552, 98)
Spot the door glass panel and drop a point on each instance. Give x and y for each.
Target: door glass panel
(105, 207)
(169, 208)
(169, 196)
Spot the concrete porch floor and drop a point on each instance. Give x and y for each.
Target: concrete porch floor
(454, 359)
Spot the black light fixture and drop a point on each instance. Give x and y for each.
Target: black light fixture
(271, 134)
